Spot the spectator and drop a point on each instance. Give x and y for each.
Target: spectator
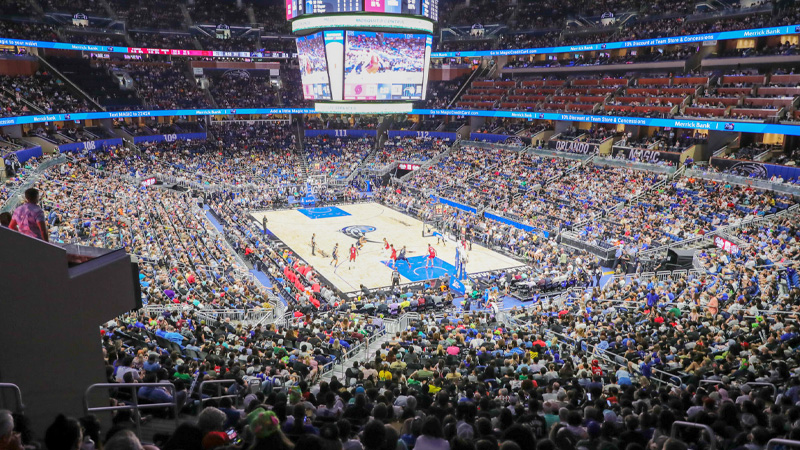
(29, 219)
(9, 438)
(64, 433)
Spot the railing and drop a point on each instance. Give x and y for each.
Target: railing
(245, 316)
(680, 424)
(781, 442)
(13, 199)
(745, 181)
(552, 152)
(135, 406)
(765, 384)
(614, 359)
(573, 240)
(19, 406)
(477, 73)
(251, 316)
(674, 275)
(393, 325)
(218, 384)
(635, 165)
(722, 230)
(752, 384)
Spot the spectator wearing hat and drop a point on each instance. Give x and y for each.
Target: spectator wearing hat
(265, 426)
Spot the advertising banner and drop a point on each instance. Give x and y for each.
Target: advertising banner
(646, 155)
(168, 137)
(501, 138)
(89, 146)
(755, 169)
(580, 147)
(341, 133)
(422, 134)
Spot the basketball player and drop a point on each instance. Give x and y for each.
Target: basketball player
(431, 255)
(313, 244)
(393, 256)
(361, 242)
(353, 253)
(440, 239)
(385, 248)
(335, 256)
(402, 256)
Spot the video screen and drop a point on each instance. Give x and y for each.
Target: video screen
(332, 6)
(313, 67)
(294, 8)
(393, 6)
(384, 66)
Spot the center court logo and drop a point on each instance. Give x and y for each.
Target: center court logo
(357, 231)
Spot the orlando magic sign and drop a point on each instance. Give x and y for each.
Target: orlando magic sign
(357, 231)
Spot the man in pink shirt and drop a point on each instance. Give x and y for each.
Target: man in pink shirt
(29, 218)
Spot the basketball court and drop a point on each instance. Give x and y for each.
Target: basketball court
(346, 223)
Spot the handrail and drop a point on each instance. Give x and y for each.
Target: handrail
(34, 176)
(785, 442)
(680, 424)
(762, 383)
(20, 407)
(134, 399)
(218, 384)
(603, 354)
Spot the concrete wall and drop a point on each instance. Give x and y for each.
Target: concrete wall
(49, 326)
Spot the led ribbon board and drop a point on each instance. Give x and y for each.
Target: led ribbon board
(415, 24)
(721, 36)
(359, 108)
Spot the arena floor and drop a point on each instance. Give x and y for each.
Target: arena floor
(294, 227)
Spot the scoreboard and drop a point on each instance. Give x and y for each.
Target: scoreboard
(359, 55)
(425, 8)
(332, 6)
(430, 9)
(294, 8)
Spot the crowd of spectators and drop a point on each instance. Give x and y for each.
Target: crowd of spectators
(104, 39)
(354, 122)
(603, 366)
(336, 157)
(167, 86)
(26, 30)
(163, 40)
(440, 93)
(243, 90)
(540, 25)
(69, 6)
(408, 149)
(45, 92)
(685, 209)
(96, 76)
(215, 13)
(150, 14)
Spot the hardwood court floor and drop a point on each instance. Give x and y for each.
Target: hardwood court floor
(342, 224)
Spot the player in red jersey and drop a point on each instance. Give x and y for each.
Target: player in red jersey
(385, 248)
(353, 253)
(393, 256)
(431, 256)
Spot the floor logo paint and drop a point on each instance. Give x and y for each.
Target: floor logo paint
(357, 231)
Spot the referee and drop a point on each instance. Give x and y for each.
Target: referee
(395, 278)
